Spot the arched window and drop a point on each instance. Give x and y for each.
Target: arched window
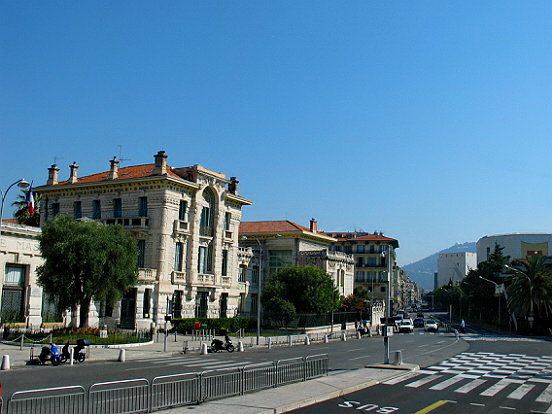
(206, 227)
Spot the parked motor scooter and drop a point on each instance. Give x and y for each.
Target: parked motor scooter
(50, 353)
(218, 345)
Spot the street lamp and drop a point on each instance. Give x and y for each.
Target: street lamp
(21, 183)
(531, 316)
(499, 296)
(387, 307)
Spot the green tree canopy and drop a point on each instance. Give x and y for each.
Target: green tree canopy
(307, 289)
(85, 260)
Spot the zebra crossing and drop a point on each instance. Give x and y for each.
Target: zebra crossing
(487, 374)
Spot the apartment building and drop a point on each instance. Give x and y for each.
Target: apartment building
(186, 221)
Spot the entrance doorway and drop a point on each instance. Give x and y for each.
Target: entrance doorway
(128, 310)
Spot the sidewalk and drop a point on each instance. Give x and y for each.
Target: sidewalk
(294, 396)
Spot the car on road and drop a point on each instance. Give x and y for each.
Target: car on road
(418, 323)
(406, 325)
(431, 325)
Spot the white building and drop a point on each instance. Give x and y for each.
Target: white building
(516, 245)
(454, 267)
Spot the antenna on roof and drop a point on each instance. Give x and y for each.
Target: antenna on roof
(121, 159)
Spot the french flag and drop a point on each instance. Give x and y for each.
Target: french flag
(30, 201)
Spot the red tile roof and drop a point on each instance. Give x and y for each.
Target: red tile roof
(125, 173)
(369, 237)
(279, 226)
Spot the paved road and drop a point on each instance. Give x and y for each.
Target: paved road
(498, 374)
(422, 348)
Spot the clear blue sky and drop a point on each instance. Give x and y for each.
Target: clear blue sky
(428, 120)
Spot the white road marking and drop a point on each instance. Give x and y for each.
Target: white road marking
(470, 386)
(507, 408)
(495, 389)
(423, 381)
(546, 396)
(520, 392)
(355, 349)
(447, 383)
(360, 357)
(478, 405)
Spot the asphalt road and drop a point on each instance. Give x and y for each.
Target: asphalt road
(419, 347)
(495, 375)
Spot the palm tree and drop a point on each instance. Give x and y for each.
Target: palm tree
(22, 213)
(531, 288)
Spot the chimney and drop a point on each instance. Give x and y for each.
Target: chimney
(313, 225)
(53, 172)
(114, 172)
(73, 175)
(160, 163)
(233, 185)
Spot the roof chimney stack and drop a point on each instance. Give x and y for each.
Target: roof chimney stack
(53, 172)
(73, 175)
(114, 171)
(313, 225)
(160, 163)
(233, 185)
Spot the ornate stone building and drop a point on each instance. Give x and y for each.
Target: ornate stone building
(186, 221)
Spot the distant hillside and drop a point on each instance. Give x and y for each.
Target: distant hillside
(423, 270)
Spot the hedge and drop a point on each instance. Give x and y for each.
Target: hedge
(185, 325)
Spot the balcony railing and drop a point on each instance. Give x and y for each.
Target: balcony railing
(205, 279)
(178, 278)
(180, 226)
(147, 275)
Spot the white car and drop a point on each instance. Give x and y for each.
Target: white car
(431, 325)
(406, 325)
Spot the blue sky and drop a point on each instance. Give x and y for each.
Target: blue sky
(430, 121)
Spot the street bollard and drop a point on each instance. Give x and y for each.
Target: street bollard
(22, 340)
(359, 335)
(343, 337)
(71, 356)
(326, 340)
(122, 355)
(5, 363)
(398, 358)
(203, 349)
(240, 346)
(307, 340)
(290, 340)
(185, 347)
(456, 334)
(269, 343)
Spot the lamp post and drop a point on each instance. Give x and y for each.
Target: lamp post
(21, 183)
(531, 316)
(387, 307)
(499, 296)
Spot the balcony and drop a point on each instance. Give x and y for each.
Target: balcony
(228, 234)
(226, 280)
(127, 218)
(205, 279)
(180, 226)
(147, 275)
(178, 278)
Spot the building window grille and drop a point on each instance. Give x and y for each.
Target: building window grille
(117, 208)
(143, 206)
(96, 209)
(141, 252)
(179, 250)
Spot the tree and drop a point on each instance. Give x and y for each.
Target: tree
(280, 311)
(86, 260)
(22, 212)
(307, 289)
(530, 290)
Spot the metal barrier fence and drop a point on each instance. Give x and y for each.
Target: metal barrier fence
(62, 400)
(141, 396)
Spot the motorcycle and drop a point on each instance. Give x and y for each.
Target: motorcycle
(50, 353)
(77, 354)
(218, 345)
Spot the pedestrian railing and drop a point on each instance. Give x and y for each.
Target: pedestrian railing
(141, 396)
(62, 400)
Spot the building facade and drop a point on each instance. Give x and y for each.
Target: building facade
(186, 221)
(278, 244)
(453, 267)
(371, 253)
(516, 245)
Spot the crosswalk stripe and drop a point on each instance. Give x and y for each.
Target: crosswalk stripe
(495, 389)
(447, 383)
(423, 381)
(546, 396)
(402, 378)
(470, 386)
(520, 391)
